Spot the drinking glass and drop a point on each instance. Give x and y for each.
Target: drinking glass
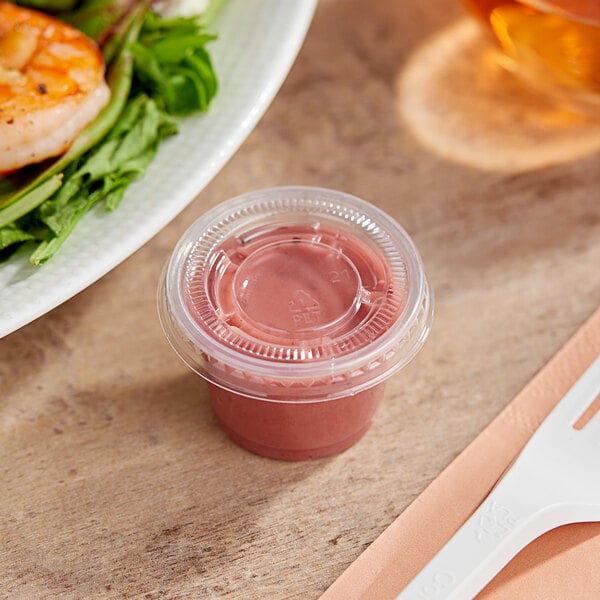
(553, 45)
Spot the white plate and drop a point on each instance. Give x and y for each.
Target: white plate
(258, 42)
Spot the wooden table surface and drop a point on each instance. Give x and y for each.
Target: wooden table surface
(116, 481)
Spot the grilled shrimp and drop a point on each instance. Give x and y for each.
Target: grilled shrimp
(51, 86)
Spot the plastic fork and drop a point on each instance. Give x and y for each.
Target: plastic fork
(554, 481)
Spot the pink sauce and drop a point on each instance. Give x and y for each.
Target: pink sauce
(304, 288)
(296, 431)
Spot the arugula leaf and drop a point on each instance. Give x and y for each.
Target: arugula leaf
(13, 234)
(172, 65)
(104, 173)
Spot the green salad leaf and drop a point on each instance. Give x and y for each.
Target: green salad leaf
(105, 172)
(172, 62)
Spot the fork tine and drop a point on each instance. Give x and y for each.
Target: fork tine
(592, 428)
(574, 403)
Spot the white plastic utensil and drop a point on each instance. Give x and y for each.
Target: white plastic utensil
(554, 481)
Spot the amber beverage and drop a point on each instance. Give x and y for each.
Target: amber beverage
(553, 44)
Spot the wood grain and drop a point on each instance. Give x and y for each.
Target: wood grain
(117, 481)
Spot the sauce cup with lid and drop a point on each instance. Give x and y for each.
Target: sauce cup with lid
(296, 305)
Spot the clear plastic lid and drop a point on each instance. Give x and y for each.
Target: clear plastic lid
(295, 293)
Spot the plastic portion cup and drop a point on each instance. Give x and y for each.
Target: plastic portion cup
(295, 304)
